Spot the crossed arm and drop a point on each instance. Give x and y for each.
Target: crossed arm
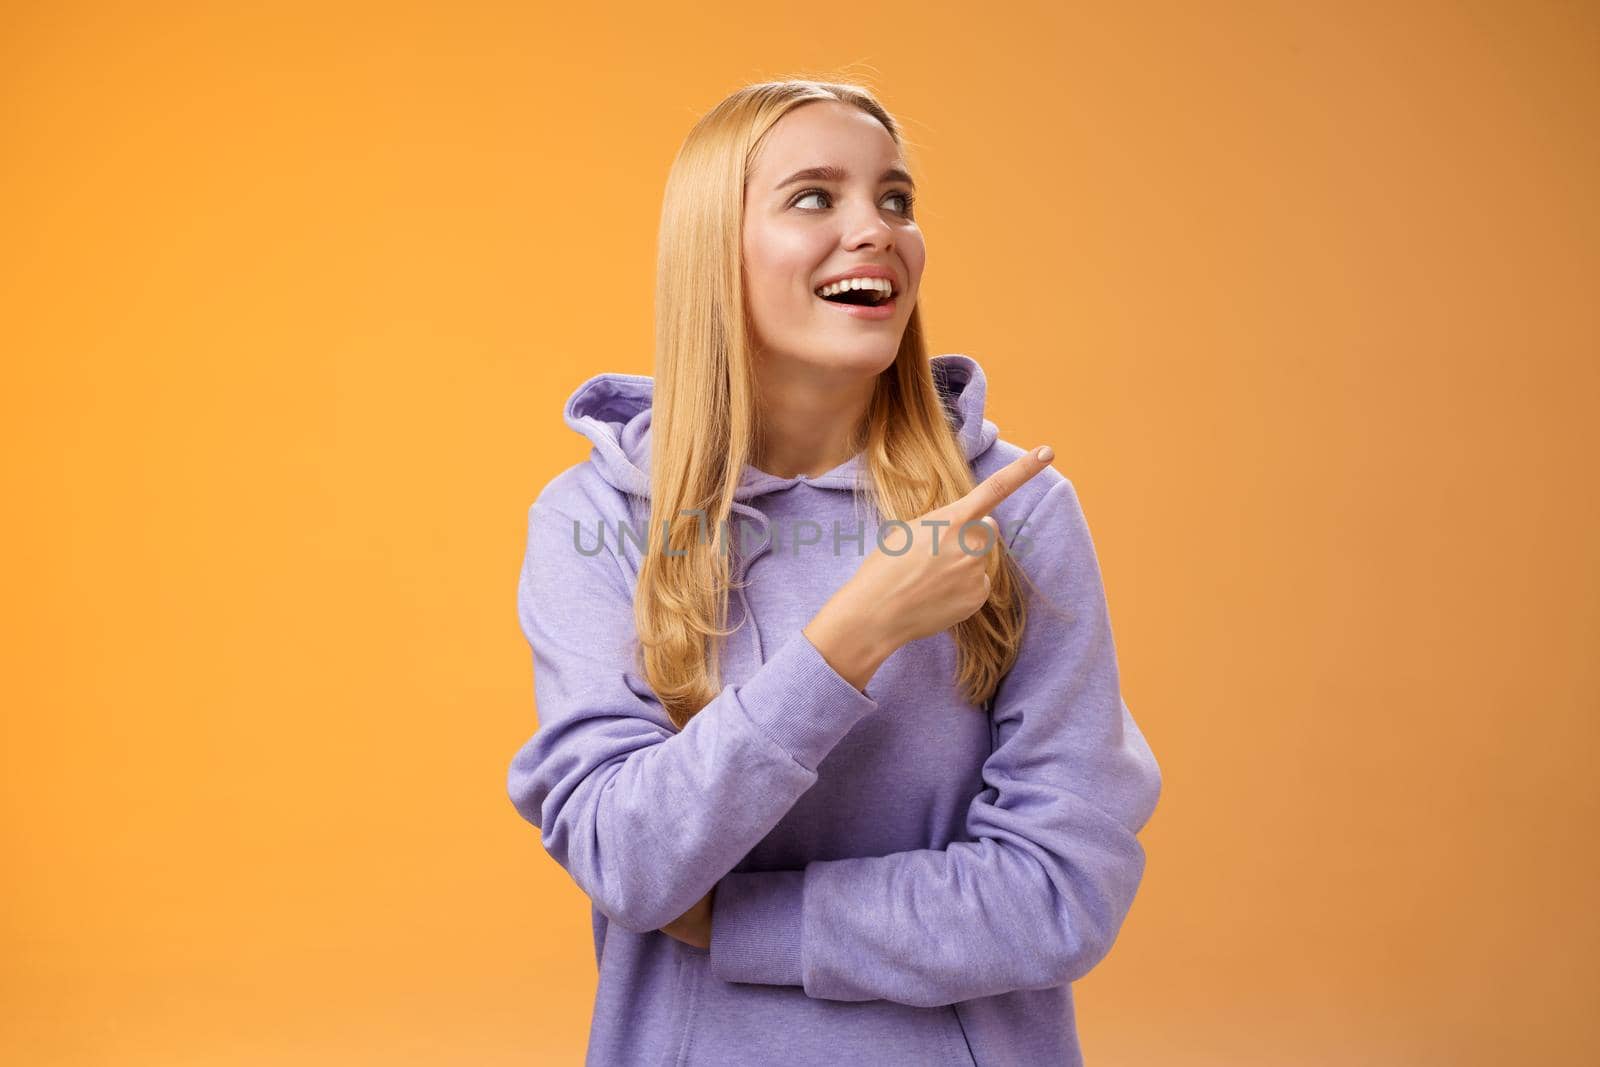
(649, 820)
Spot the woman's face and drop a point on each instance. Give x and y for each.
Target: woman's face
(801, 233)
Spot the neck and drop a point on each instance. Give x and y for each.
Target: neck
(808, 419)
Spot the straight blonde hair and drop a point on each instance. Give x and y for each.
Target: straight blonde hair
(704, 425)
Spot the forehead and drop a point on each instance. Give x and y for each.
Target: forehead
(822, 132)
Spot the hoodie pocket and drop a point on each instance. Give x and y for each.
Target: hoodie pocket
(692, 963)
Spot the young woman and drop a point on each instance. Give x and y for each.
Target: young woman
(830, 727)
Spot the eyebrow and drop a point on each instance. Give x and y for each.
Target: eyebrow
(831, 173)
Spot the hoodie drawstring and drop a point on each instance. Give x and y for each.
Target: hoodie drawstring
(743, 571)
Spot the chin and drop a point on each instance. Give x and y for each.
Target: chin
(864, 358)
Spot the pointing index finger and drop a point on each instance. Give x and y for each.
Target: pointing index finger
(993, 490)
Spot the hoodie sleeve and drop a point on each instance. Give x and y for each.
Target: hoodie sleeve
(1035, 898)
(646, 818)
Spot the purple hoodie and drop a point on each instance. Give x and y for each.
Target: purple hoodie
(902, 877)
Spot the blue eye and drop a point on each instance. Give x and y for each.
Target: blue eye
(906, 210)
(908, 198)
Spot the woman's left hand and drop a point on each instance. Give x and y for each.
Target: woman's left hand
(693, 927)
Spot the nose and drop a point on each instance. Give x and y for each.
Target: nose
(865, 228)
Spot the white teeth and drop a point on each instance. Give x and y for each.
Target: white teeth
(883, 285)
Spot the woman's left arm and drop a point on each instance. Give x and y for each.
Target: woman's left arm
(1037, 896)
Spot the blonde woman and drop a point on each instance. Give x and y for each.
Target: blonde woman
(830, 726)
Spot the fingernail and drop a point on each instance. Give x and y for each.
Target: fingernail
(1045, 453)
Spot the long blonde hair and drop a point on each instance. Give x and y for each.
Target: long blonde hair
(703, 422)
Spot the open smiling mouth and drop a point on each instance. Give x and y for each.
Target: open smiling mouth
(859, 293)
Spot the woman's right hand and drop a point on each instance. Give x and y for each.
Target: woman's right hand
(893, 599)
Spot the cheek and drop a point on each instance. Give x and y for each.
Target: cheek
(915, 255)
(780, 261)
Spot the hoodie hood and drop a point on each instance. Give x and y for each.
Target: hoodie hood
(613, 411)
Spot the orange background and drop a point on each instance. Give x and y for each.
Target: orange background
(1303, 296)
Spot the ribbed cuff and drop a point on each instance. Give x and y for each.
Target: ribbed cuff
(802, 702)
(756, 927)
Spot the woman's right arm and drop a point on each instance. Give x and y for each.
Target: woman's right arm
(646, 818)
(939, 578)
